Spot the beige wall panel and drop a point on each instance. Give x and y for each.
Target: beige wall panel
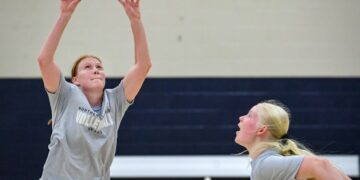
(192, 38)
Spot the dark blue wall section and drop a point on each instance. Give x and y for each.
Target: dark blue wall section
(200, 116)
(186, 116)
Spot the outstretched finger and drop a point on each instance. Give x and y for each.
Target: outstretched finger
(74, 3)
(122, 2)
(137, 2)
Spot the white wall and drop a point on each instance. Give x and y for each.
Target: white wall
(202, 38)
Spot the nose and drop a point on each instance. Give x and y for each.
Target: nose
(241, 118)
(96, 71)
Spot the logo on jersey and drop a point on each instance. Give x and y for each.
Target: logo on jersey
(91, 120)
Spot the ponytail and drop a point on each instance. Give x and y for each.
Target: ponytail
(289, 147)
(285, 147)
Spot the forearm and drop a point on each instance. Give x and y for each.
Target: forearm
(142, 56)
(134, 79)
(48, 50)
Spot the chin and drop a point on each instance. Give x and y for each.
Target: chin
(99, 85)
(96, 87)
(237, 141)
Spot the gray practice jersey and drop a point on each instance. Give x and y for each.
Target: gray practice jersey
(82, 144)
(270, 165)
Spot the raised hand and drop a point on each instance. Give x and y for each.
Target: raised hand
(68, 6)
(132, 9)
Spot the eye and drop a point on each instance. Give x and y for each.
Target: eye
(87, 67)
(99, 67)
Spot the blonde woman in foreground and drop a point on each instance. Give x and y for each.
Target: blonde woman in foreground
(263, 132)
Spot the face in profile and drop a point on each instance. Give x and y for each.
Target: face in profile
(248, 127)
(90, 74)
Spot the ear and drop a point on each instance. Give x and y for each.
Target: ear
(262, 130)
(75, 81)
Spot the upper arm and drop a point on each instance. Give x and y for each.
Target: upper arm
(134, 79)
(50, 74)
(319, 168)
(306, 169)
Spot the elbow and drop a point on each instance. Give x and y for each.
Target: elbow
(146, 66)
(147, 62)
(43, 61)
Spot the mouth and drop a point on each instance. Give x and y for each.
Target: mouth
(96, 79)
(238, 131)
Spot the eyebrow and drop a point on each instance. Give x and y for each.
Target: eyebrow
(96, 63)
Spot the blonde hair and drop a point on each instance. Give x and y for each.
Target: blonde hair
(276, 116)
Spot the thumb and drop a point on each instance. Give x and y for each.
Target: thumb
(74, 3)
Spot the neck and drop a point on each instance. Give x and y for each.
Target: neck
(94, 97)
(254, 152)
(250, 149)
(256, 148)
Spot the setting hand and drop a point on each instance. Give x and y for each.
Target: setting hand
(132, 9)
(68, 6)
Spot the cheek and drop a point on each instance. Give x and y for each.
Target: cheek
(246, 134)
(249, 128)
(102, 73)
(81, 76)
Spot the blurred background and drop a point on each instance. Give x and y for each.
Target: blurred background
(212, 61)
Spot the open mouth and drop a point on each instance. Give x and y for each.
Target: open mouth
(238, 130)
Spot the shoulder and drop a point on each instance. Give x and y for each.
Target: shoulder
(272, 164)
(262, 165)
(64, 90)
(119, 88)
(280, 160)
